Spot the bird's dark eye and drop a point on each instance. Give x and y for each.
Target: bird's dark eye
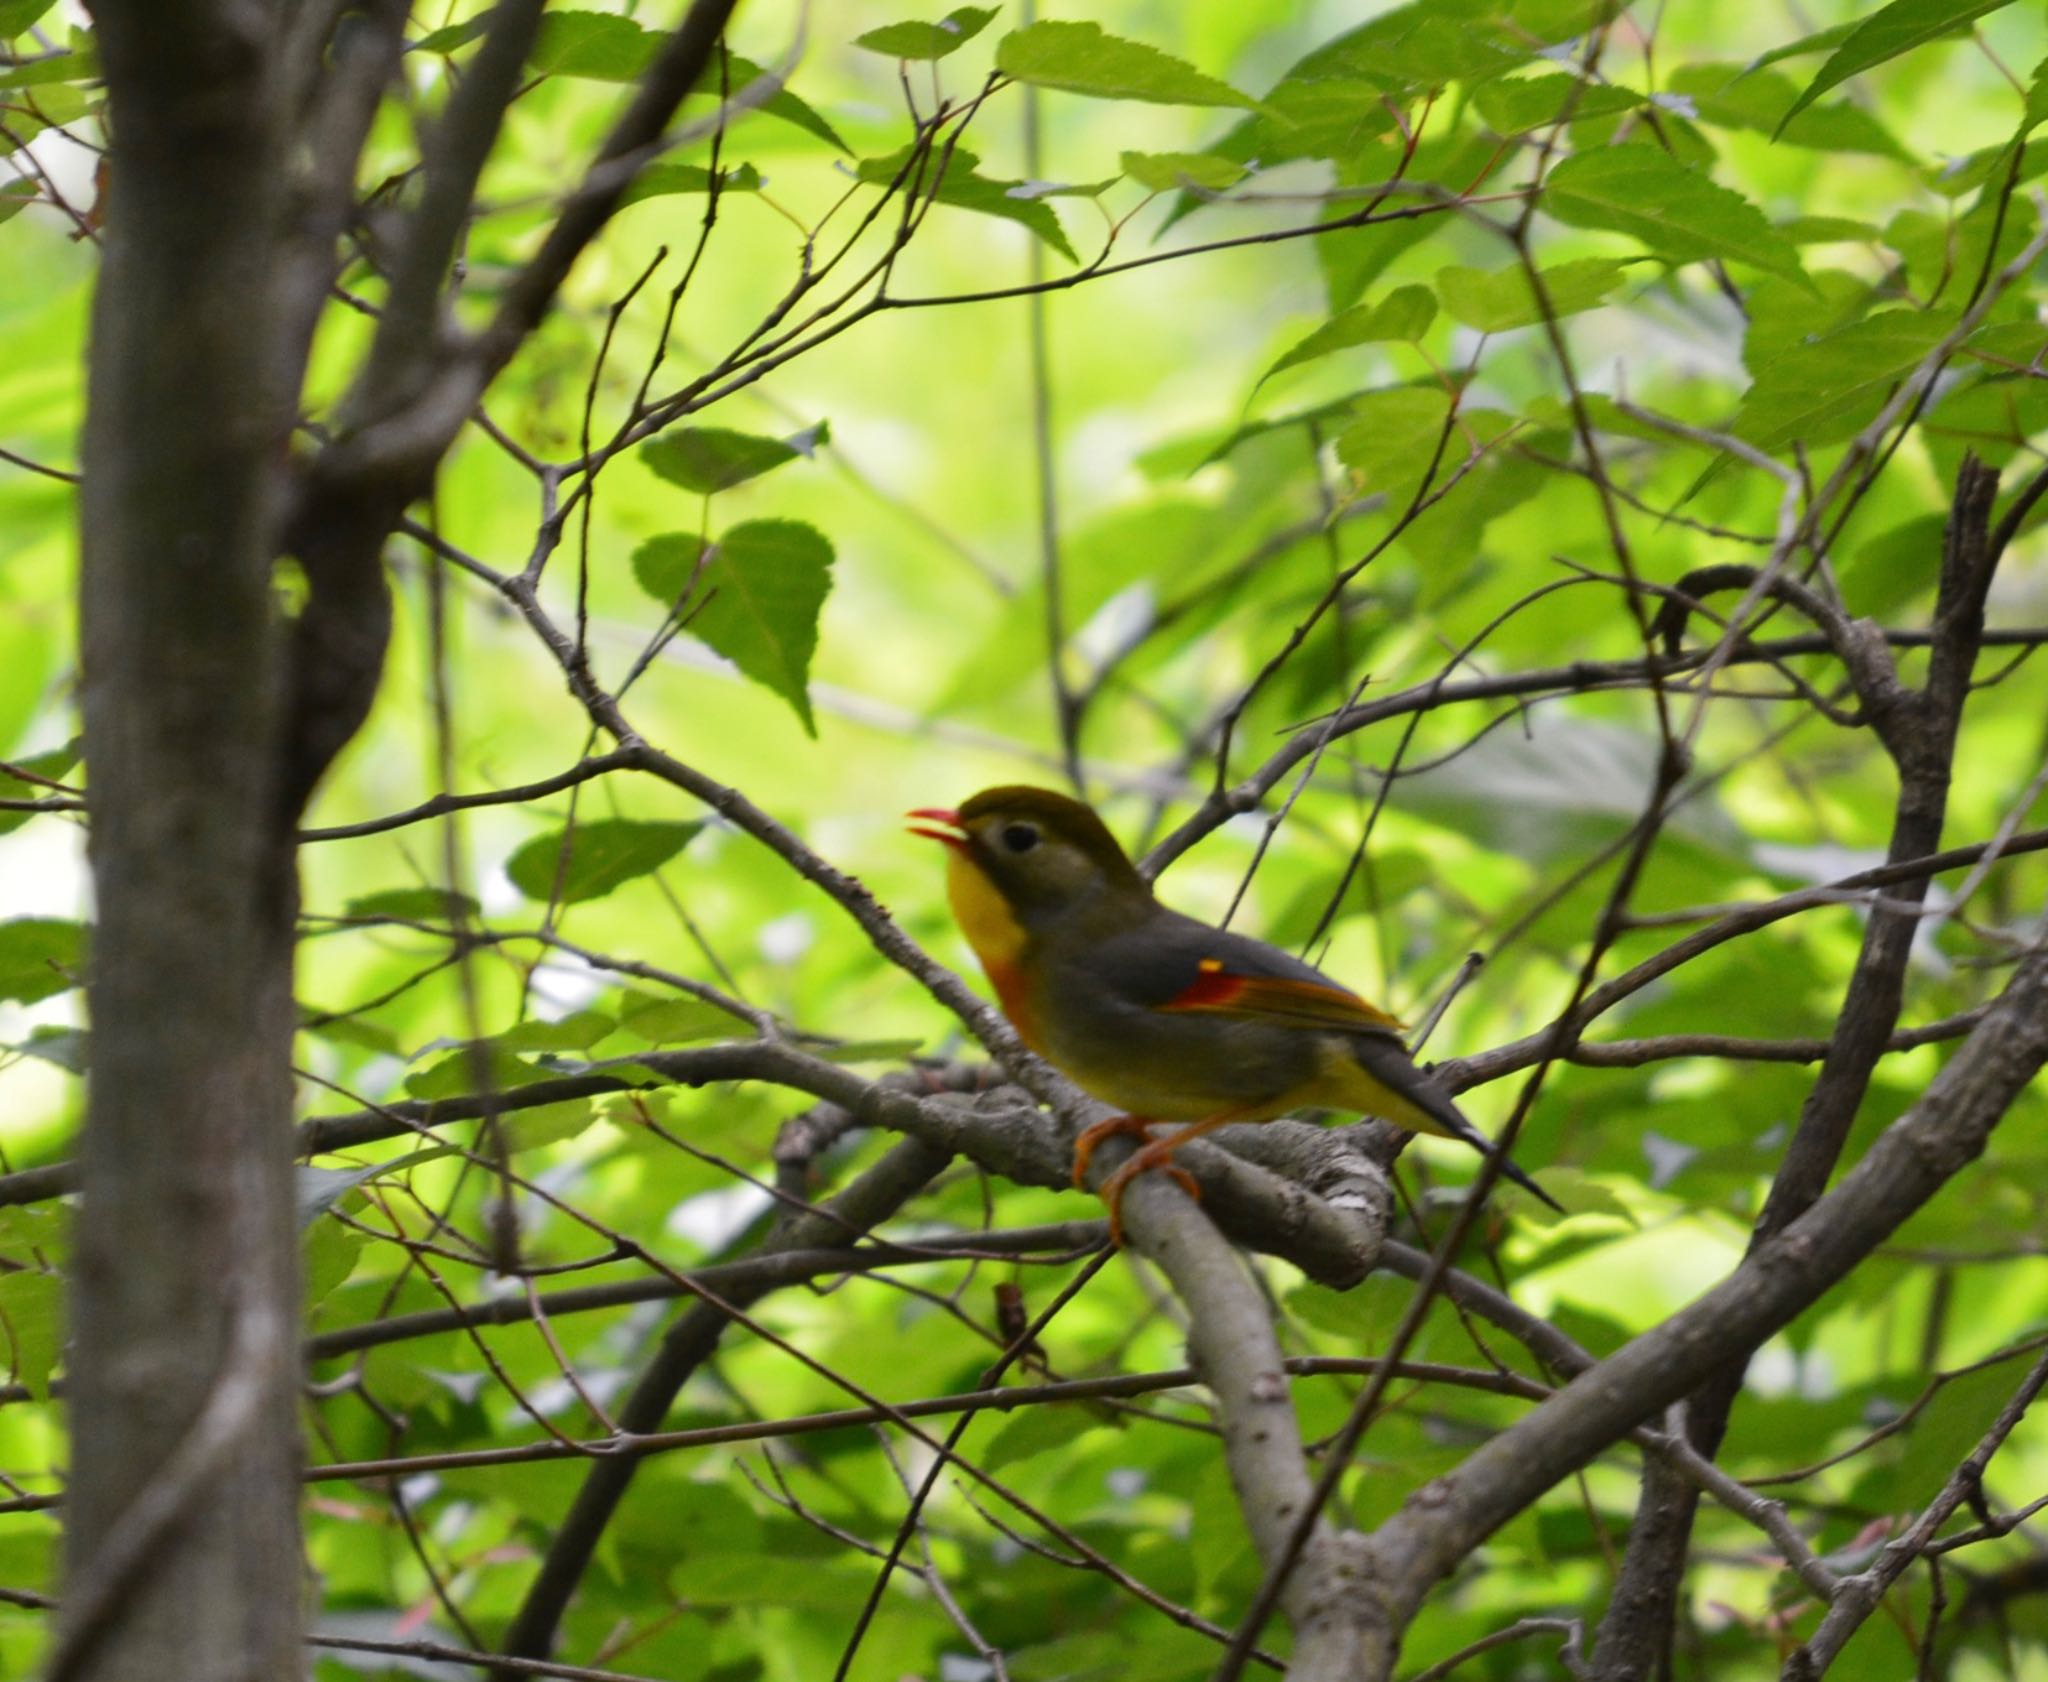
(1020, 837)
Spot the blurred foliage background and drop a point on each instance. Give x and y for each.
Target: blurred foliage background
(1230, 430)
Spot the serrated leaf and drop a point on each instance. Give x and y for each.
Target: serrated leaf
(1514, 106)
(1887, 33)
(1729, 96)
(1393, 440)
(1677, 212)
(661, 180)
(1403, 314)
(962, 188)
(928, 40)
(1825, 391)
(1080, 58)
(596, 46)
(705, 459)
(31, 1325)
(1202, 172)
(568, 867)
(422, 905)
(1502, 300)
(764, 587)
(40, 957)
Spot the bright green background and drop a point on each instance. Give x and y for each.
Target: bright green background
(930, 680)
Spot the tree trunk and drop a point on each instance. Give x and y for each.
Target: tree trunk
(183, 1555)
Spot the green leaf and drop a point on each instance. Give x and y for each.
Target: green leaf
(1677, 212)
(40, 957)
(31, 1323)
(1502, 300)
(1080, 58)
(1515, 105)
(458, 1074)
(1828, 230)
(81, 64)
(928, 40)
(17, 17)
(1392, 442)
(36, 1235)
(547, 1124)
(1729, 96)
(331, 1252)
(63, 1047)
(1885, 34)
(604, 47)
(451, 36)
(1826, 391)
(680, 1021)
(1163, 172)
(413, 905)
(58, 763)
(600, 856)
(597, 46)
(665, 565)
(1037, 1430)
(316, 1190)
(764, 585)
(705, 459)
(15, 197)
(661, 180)
(963, 189)
(1403, 314)
(578, 1031)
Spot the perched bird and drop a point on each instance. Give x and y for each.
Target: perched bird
(1162, 1016)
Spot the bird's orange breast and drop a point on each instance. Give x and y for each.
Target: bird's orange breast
(998, 939)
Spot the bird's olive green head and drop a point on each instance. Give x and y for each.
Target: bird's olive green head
(1043, 852)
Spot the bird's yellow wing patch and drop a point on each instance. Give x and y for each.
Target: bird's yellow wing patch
(1220, 991)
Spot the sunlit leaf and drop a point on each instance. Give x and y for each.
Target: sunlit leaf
(40, 956)
(1677, 212)
(763, 589)
(1403, 314)
(1080, 58)
(1502, 300)
(928, 40)
(1885, 34)
(588, 862)
(704, 459)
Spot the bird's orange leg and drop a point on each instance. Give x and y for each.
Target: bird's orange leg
(1092, 1137)
(1159, 1155)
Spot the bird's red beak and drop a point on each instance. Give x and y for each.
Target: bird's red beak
(941, 823)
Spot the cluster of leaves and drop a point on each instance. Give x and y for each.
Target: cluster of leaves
(1426, 365)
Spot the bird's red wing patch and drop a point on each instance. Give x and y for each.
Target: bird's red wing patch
(1311, 1003)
